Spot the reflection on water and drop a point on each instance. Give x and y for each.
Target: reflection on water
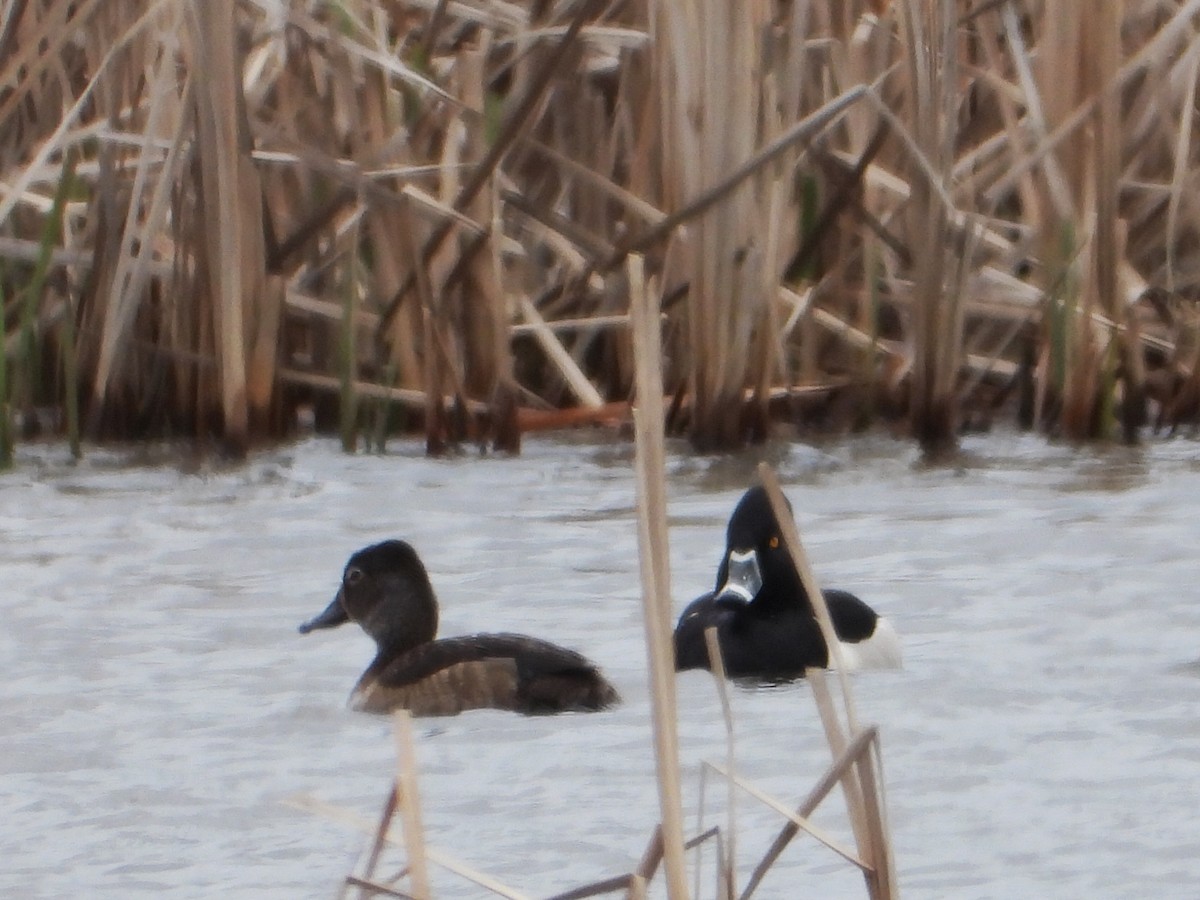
(160, 707)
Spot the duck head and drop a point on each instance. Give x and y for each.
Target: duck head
(386, 590)
(756, 568)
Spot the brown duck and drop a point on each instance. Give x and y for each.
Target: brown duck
(386, 590)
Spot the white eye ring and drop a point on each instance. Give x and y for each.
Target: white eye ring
(353, 575)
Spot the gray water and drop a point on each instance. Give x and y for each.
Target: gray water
(160, 710)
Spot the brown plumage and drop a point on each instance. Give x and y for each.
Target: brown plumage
(386, 590)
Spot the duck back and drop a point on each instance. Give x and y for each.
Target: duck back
(497, 671)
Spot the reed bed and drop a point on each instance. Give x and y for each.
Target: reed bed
(222, 217)
(856, 766)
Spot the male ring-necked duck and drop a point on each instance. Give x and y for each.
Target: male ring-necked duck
(765, 625)
(386, 590)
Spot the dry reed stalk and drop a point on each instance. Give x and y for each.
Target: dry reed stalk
(437, 437)
(707, 57)
(576, 380)
(882, 879)
(31, 61)
(1110, 251)
(403, 396)
(834, 775)
(68, 340)
(802, 132)
(230, 196)
(804, 824)
(375, 848)
(6, 434)
(410, 804)
(1068, 243)
(647, 865)
(348, 363)
(852, 788)
(617, 320)
(1162, 45)
(700, 813)
(1180, 167)
(374, 888)
(1089, 283)
(130, 270)
(486, 315)
(632, 884)
(728, 862)
(654, 555)
(931, 114)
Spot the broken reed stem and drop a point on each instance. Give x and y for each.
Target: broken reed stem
(655, 565)
(804, 824)
(584, 391)
(410, 804)
(380, 840)
(802, 131)
(374, 888)
(717, 666)
(808, 806)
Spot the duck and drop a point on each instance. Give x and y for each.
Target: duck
(766, 627)
(386, 590)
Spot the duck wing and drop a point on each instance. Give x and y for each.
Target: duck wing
(853, 620)
(498, 671)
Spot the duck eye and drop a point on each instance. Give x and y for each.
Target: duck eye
(773, 543)
(353, 576)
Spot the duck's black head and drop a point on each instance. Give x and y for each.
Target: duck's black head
(756, 567)
(386, 590)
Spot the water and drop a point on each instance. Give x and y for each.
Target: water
(160, 710)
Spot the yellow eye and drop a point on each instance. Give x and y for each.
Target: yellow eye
(774, 542)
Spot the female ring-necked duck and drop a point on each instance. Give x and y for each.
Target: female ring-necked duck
(386, 590)
(765, 624)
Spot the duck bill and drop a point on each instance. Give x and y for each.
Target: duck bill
(333, 616)
(743, 581)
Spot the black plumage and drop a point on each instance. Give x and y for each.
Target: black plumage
(766, 627)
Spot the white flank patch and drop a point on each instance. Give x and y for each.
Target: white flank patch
(880, 651)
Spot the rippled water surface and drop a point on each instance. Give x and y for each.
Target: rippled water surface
(160, 710)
